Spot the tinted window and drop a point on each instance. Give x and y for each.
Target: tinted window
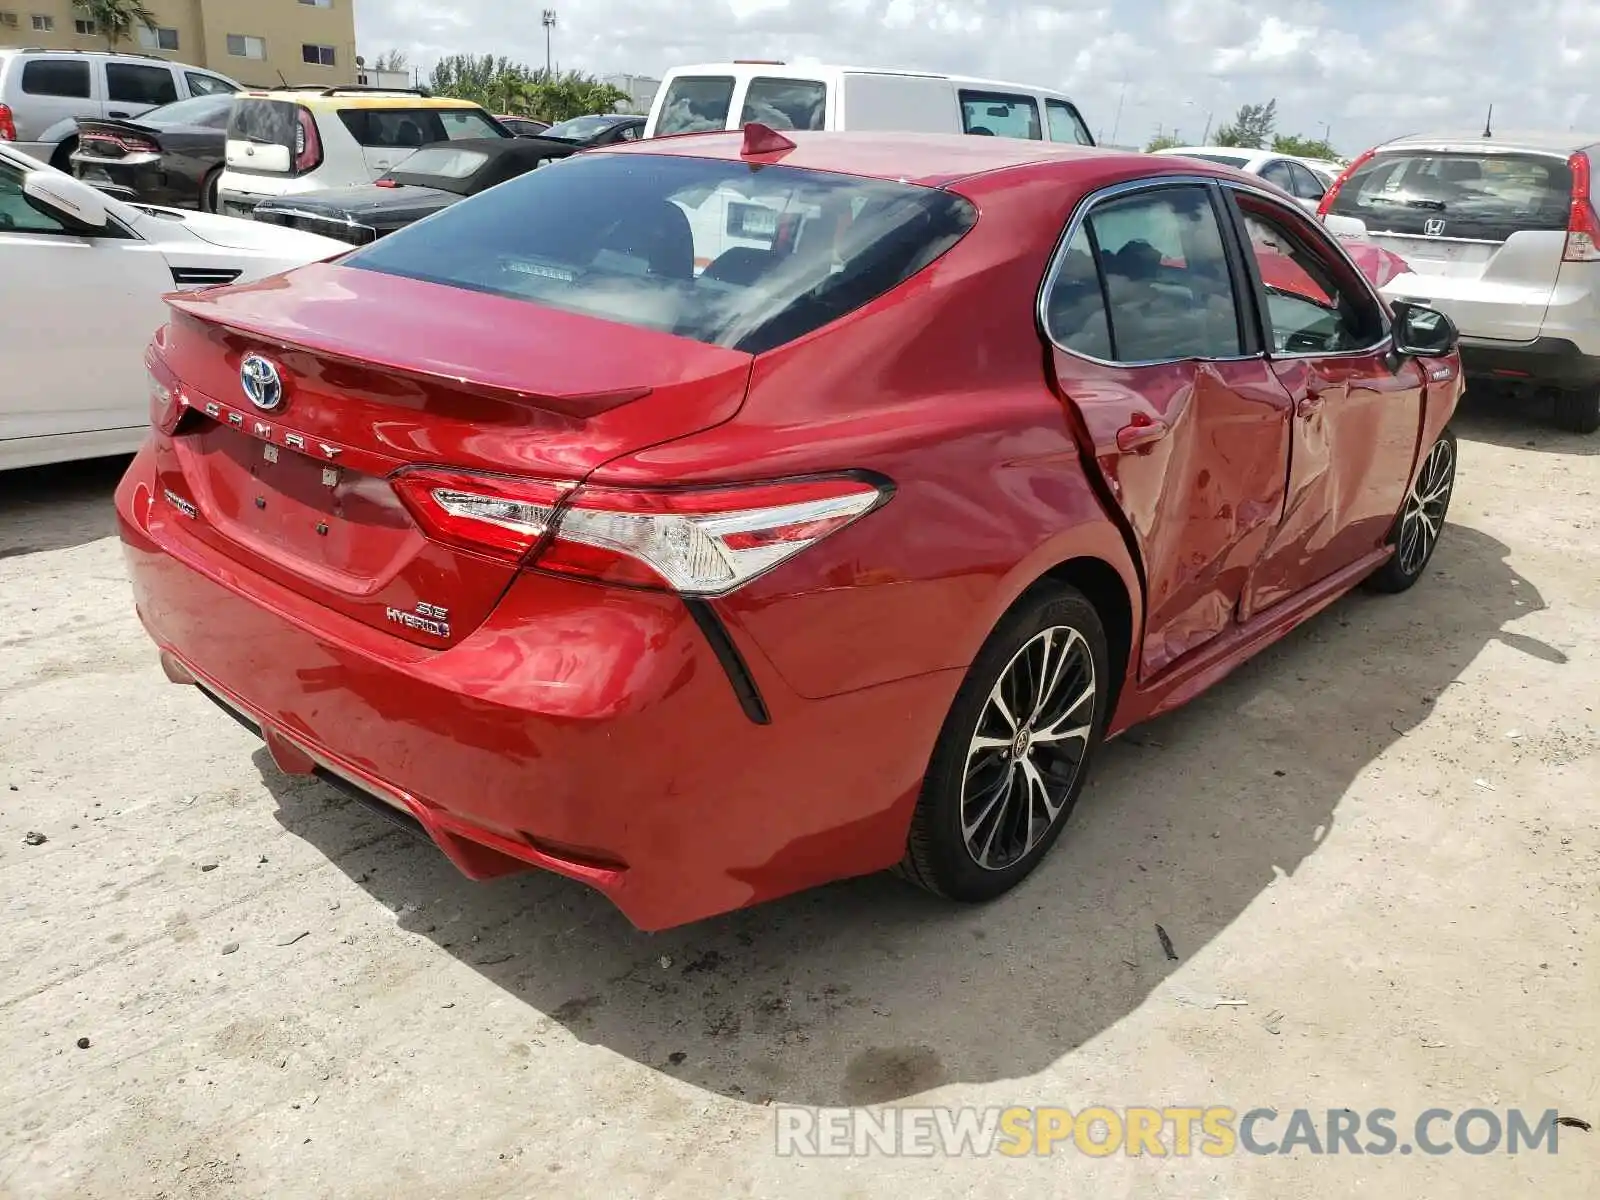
(1309, 313)
(140, 85)
(208, 85)
(442, 162)
(1306, 184)
(1066, 125)
(696, 103)
(580, 129)
(397, 128)
(1489, 196)
(55, 77)
(643, 240)
(210, 112)
(1001, 115)
(786, 103)
(16, 214)
(1161, 267)
(270, 122)
(1278, 173)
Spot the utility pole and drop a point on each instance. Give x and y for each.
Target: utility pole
(1117, 123)
(549, 24)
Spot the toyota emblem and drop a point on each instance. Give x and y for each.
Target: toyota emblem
(261, 382)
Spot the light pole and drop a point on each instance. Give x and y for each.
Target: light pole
(549, 24)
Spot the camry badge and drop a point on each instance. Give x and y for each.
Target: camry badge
(261, 382)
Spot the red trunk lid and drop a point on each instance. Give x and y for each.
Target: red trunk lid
(379, 373)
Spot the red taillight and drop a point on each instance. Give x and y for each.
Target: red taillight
(1583, 227)
(166, 395)
(307, 142)
(128, 143)
(699, 542)
(1332, 194)
(385, 183)
(8, 124)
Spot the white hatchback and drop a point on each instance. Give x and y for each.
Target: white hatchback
(1501, 234)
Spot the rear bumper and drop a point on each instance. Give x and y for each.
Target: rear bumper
(1553, 362)
(600, 740)
(146, 183)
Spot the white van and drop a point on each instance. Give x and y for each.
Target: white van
(728, 95)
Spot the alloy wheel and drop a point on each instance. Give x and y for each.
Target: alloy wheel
(1025, 755)
(1425, 507)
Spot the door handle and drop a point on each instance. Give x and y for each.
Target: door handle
(1140, 434)
(116, 113)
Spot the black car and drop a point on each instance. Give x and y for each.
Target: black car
(172, 155)
(432, 178)
(601, 129)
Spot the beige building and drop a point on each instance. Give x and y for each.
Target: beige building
(257, 42)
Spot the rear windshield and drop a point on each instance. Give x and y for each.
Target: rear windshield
(579, 128)
(785, 103)
(265, 122)
(210, 111)
(725, 253)
(441, 162)
(695, 103)
(1226, 160)
(1488, 196)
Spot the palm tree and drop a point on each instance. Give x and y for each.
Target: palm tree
(116, 19)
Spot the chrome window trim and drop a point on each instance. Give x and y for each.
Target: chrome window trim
(1117, 191)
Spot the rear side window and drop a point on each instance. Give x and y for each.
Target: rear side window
(650, 241)
(267, 122)
(1487, 196)
(1000, 115)
(397, 128)
(140, 85)
(1155, 262)
(54, 77)
(1306, 183)
(786, 103)
(1066, 125)
(695, 103)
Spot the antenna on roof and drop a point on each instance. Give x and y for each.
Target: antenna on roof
(1488, 123)
(762, 139)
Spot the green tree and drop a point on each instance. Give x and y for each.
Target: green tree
(116, 19)
(1251, 128)
(560, 96)
(1163, 141)
(1304, 147)
(494, 82)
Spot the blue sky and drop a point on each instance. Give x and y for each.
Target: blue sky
(1369, 69)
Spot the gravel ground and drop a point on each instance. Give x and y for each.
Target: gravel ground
(1382, 836)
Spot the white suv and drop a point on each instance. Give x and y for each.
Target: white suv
(295, 140)
(44, 92)
(1501, 234)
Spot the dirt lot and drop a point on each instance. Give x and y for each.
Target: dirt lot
(1382, 836)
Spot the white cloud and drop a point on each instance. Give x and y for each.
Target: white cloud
(1370, 69)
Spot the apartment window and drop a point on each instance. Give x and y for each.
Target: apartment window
(158, 39)
(321, 56)
(8, 20)
(243, 46)
(83, 28)
(43, 23)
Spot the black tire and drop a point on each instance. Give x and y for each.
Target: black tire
(938, 856)
(1414, 539)
(1578, 410)
(208, 190)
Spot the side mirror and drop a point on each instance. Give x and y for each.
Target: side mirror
(1421, 332)
(79, 204)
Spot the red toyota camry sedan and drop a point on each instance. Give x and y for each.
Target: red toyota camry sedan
(716, 516)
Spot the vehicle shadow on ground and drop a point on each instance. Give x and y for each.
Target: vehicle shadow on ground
(869, 991)
(1489, 415)
(58, 507)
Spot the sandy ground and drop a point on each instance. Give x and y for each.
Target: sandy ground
(1382, 836)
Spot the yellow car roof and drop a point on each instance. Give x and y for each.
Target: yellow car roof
(355, 98)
